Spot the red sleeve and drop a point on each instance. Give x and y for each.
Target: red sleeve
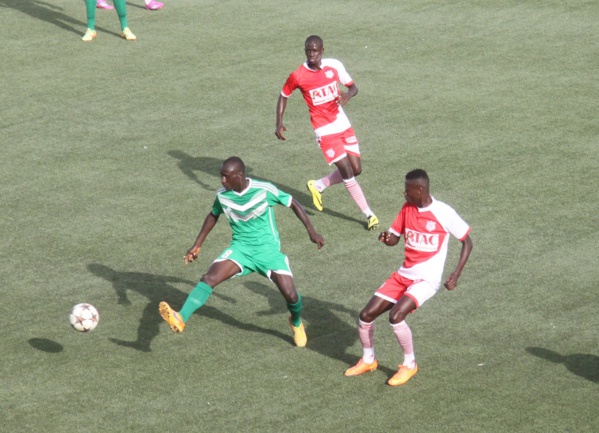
(398, 225)
(290, 85)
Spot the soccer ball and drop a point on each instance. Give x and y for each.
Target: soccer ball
(84, 317)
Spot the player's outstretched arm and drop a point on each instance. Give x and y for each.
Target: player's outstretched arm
(452, 280)
(300, 212)
(209, 223)
(388, 238)
(280, 128)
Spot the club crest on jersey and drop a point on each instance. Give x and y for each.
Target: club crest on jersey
(329, 74)
(425, 242)
(324, 94)
(430, 226)
(330, 153)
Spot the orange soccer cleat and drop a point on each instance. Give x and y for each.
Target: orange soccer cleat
(403, 375)
(361, 367)
(171, 317)
(299, 334)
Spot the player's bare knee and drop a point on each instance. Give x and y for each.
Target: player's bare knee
(289, 293)
(291, 298)
(397, 316)
(209, 279)
(367, 316)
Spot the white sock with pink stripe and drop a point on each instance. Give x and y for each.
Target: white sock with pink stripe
(355, 191)
(366, 333)
(404, 336)
(332, 179)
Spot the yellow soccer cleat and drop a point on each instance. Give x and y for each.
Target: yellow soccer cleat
(403, 375)
(316, 195)
(89, 35)
(361, 367)
(373, 222)
(171, 317)
(128, 34)
(299, 334)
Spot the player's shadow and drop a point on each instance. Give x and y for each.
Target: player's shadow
(328, 334)
(51, 13)
(581, 364)
(191, 165)
(135, 5)
(157, 288)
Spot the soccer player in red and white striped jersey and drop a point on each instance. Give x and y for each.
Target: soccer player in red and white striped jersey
(425, 224)
(318, 80)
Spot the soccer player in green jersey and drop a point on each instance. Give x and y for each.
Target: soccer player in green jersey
(255, 245)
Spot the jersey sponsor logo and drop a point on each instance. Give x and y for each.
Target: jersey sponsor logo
(430, 226)
(424, 242)
(324, 94)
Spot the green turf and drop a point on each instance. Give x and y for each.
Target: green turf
(110, 154)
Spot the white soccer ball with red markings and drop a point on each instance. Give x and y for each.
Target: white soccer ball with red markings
(84, 317)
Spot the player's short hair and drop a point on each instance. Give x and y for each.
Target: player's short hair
(235, 161)
(314, 38)
(417, 174)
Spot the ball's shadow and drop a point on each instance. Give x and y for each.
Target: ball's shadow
(45, 345)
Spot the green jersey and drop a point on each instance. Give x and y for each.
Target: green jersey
(251, 214)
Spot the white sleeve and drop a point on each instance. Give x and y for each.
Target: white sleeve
(452, 222)
(344, 77)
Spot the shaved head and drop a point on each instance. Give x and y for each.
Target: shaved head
(232, 174)
(314, 40)
(234, 163)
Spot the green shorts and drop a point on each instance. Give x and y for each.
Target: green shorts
(261, 260)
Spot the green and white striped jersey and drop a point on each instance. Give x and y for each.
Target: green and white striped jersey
(251, 214)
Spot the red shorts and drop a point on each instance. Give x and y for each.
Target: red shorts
(336, 146)
(397, 286)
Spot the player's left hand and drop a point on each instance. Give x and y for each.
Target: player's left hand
(452, 281)
(343, 98)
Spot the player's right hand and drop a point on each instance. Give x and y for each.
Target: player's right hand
(384, 237)
(191, 255)
(279, 132)
(318, 240)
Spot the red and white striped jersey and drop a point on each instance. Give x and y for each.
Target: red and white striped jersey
(321, 93)
(426, 236)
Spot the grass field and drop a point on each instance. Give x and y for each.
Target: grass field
(110, 154)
